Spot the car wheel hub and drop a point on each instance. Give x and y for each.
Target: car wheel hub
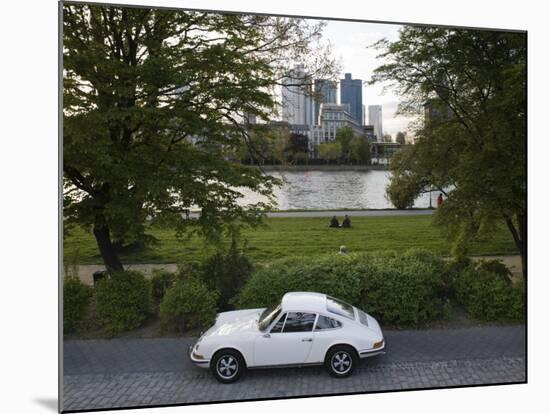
(227, 367)
(341, 362)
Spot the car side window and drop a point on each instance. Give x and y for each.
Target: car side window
(278, 327)
(324, 322)
(299, 322)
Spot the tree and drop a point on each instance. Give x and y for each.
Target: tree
(360, 150)
(474, 149)
(330, 151)
(153, 108)
(400, 138)
(344, 136)
(387, 138)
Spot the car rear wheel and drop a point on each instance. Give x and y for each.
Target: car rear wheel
(341, 361)
(227, 366)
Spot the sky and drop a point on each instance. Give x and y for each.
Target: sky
(349, 41)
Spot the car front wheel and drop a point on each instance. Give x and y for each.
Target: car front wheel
(341, 361)
(227, 366)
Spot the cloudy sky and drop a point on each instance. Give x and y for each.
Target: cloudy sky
(349, 41)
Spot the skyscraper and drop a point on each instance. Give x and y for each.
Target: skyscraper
(296, 96)
(375, 119)
(351, 92)
(325, 92)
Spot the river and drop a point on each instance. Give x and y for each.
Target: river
(318, 189)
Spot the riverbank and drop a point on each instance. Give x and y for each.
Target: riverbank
(324, 167)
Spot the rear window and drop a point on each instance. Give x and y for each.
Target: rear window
(339, 307)
(362, 317)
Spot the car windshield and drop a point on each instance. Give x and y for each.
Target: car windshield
(339, 307)
(268, 316)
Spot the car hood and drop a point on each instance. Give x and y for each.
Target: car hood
(235, 322)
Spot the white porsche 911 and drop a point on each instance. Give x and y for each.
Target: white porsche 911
(305, 328)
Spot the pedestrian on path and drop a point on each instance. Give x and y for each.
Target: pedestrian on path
(439, 200)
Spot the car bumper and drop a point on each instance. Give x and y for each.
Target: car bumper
(367, 353)
(197, 359)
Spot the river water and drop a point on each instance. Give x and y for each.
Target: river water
(316, 189)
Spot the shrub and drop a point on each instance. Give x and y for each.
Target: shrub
(227, 273)
(335, 275)
(161, 280)
(398, 289)
(122, 301)
(487, 294)
(405, 289)
(188, 304)
(76, 298)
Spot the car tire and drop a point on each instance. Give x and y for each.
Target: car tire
(227, 366)
(341, 361)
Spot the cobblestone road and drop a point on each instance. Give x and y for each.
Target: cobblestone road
(137, 372)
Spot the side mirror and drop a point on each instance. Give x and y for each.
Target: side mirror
(266, 335)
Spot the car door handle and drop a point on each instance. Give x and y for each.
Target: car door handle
(306, 340)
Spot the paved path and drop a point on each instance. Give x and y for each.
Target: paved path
(359, 213)
(134, 372)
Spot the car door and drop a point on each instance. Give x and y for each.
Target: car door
(288, 342)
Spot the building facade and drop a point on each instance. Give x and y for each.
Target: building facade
(332, 118)
(351, 93)
(375, 119)
(297, 101)
(325, 92)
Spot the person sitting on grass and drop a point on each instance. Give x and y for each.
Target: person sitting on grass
(334, 222)
(347, 222)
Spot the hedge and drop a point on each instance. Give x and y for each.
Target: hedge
(123, 301)
(188, 304)
(487, 293)
(404, 289)
(76, 298)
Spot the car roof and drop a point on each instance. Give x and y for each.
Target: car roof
(304, 301)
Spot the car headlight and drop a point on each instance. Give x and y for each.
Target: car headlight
(378, 344)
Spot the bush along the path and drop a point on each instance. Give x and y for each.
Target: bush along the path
(487, 293)
(161, 281)
(187, 304)
(76, 298)
(335, 275)
(227, 272)
(406, 289)
(122, 301)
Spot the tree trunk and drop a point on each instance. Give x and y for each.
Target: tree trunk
(106, 248)
(520, 238)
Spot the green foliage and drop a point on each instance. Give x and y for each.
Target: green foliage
(401, 289)
(188, 304)
(344, 136)
(488, 294)
(400, 138)
(360, 150)
(138, 84)
(330, 151)
(405, 289)
(473, 141)
(161, 280)
(122, 301)
(227, 273)
(76, 298)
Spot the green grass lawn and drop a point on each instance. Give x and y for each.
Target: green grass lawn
(285, 237)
